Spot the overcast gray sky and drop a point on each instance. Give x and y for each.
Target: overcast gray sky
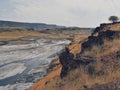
(83, 13)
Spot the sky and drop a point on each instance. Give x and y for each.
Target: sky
(82, 13)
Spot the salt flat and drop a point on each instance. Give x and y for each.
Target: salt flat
(11, 53)
(11, 70)
(28, 62)
(19, 86)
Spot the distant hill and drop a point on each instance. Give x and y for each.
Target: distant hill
(38, 26)
(28, 25)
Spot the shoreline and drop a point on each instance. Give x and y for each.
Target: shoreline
(55, 67)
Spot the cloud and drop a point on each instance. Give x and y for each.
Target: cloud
(63, 12)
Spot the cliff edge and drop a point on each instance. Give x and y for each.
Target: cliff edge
(95, 67)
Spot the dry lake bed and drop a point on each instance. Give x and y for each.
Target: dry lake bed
(22, 64)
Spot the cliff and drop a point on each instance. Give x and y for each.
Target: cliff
(95, 67)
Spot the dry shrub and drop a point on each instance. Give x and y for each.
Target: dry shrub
(79, 78)
(109, 46)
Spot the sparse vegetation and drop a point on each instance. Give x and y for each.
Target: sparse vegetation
(80, 79)
(105, 49)
(99, 64)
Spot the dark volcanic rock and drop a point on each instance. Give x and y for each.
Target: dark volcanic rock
(99, 40)
(67, 61)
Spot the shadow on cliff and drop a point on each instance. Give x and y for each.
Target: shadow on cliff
(67, 60)
(98, 40)
(69, 63)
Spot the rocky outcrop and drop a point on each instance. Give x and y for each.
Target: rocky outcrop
(104, 32)
(107, 26)
(68, 63)
(67, 59)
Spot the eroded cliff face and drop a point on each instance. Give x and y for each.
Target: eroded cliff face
(106, 33)
(107, 26)
(99, 57)
(96, 66)
(100, 46)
